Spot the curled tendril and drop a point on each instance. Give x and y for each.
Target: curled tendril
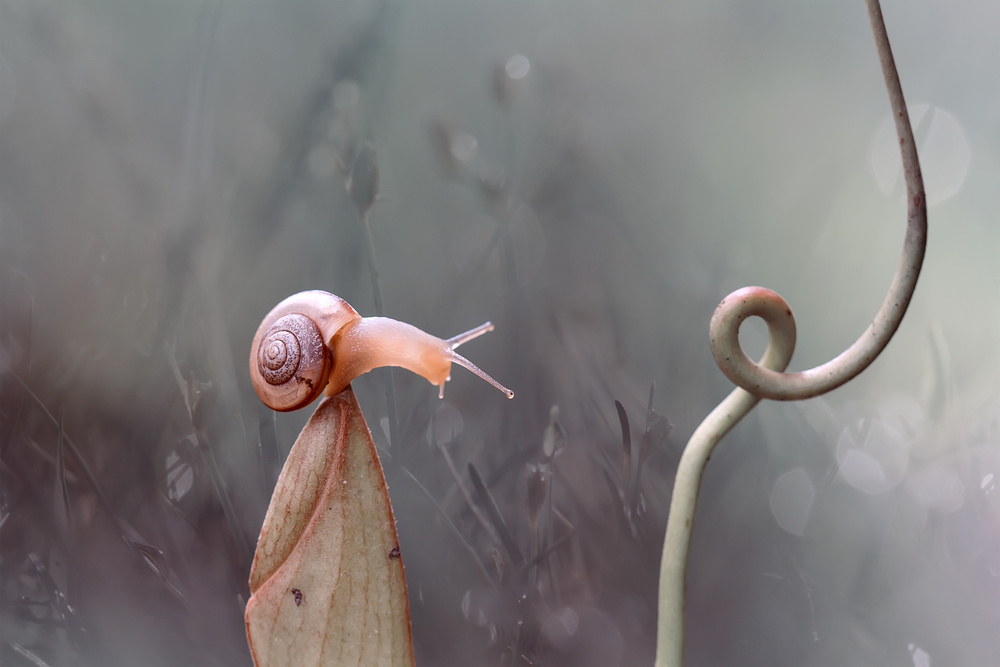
(767, 378)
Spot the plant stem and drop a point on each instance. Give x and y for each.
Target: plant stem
(768, 379)
(724, 331)
(372, 265)
(390, 385)
(683, 502)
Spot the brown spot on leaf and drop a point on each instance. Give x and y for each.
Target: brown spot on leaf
(297, 594)
(394, 552)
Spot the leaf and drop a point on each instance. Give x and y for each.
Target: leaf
(327, 580)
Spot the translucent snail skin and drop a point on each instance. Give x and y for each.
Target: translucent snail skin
(315, 341)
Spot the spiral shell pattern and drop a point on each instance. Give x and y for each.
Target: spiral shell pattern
(293, 363)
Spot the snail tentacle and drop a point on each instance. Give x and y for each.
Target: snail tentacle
(463, 338)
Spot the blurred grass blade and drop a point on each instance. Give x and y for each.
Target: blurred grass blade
(454, 529)
(60, 550)
(155, 558)
(191, 393)
(542, 555)
(477, 512)
(327, 581)
(28, 655)
(268, 451)
(655, 434)
(60, 494)
(553, 432)
(126, 531)
(493, 511)
(626, 446)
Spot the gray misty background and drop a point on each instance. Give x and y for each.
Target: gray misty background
(592, 177)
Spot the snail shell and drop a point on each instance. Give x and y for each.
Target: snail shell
(292, 354)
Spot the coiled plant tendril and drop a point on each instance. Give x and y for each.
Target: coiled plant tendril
(767, 378)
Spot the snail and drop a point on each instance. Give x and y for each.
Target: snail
(315, 341)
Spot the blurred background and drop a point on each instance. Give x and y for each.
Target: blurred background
(591, 177)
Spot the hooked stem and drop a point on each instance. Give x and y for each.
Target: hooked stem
(767, 378)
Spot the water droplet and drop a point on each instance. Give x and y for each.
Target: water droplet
(180, 477)
(560, 626)
(987, 485)
(876, 466)
(446, 425)
(921, 658)
(517, 67)
(937, 487)
(792, 498)
(476, 606)
(463, 146)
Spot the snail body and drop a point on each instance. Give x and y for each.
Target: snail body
(315, 341)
